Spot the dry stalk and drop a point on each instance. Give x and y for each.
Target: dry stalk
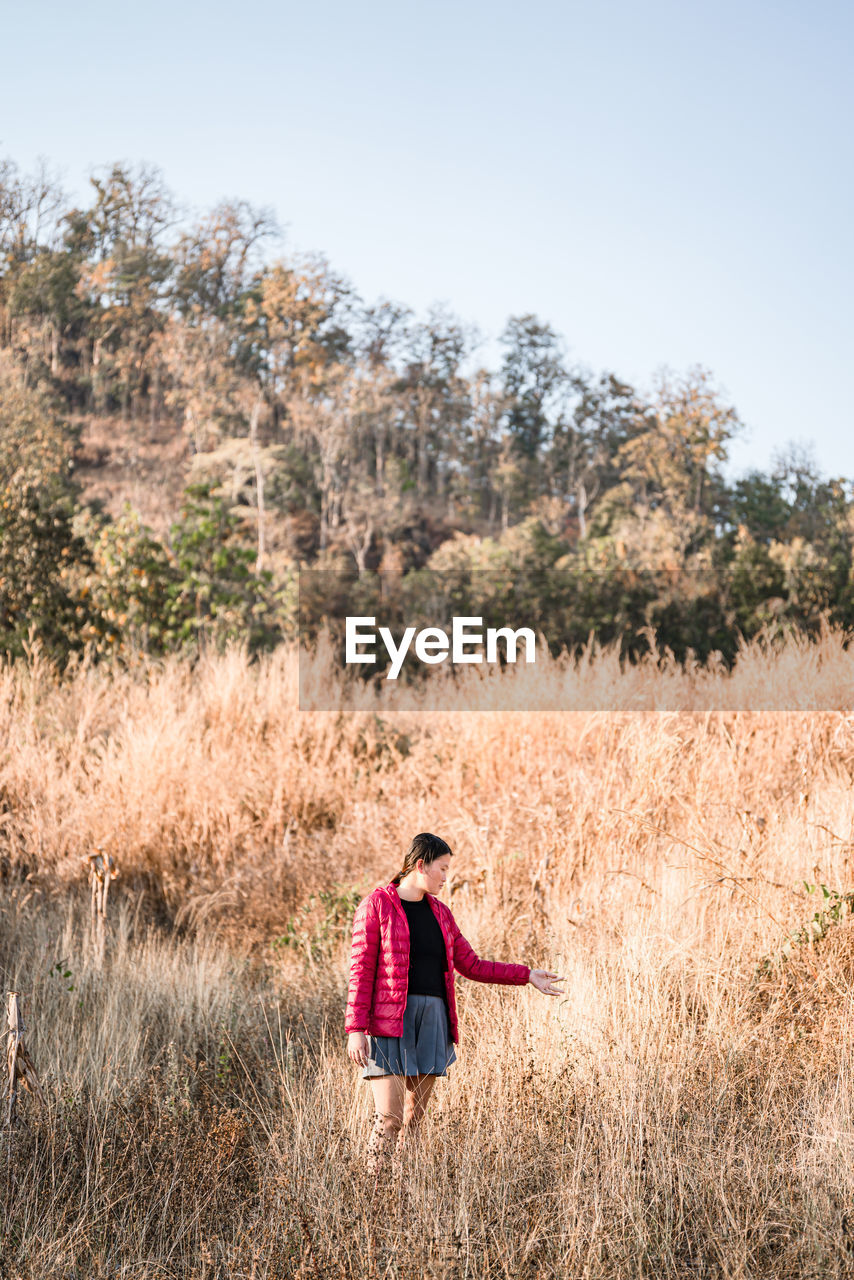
(102, 869)
(19, 1063)
(728, 877)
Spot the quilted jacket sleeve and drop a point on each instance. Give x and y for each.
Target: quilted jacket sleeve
(363, 965)
(470, 965)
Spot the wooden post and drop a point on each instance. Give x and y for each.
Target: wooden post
(18, 1061)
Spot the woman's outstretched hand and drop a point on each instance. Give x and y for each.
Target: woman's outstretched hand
(544, 981)
(357, 1048)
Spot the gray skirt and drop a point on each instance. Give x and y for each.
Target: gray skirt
(424, 1048)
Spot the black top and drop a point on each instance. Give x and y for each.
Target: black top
(428, 959)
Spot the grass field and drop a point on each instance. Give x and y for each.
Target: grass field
(684, 1111)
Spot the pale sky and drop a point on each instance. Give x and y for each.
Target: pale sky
(665, 183)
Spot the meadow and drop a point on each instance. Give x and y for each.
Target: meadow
(685, 1110)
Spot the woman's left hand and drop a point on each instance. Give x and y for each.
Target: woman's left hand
(544, 981)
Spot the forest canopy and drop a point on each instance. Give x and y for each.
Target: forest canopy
(298, 425)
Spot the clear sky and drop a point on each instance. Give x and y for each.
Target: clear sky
(665, 183)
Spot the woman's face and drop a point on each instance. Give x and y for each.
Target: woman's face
(435, 873)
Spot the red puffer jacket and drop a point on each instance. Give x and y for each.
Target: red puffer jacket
(379, 964)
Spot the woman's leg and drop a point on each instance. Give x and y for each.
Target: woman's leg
(418, 1090)
(389, 1093)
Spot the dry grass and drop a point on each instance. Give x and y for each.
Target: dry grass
(674, 1115)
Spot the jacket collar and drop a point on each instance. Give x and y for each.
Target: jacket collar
(391, 890)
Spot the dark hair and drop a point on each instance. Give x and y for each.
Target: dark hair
(423, 846)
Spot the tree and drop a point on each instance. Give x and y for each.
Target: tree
(29, 209)
(49, 316)
(36, 445)
(535, 383)
(433, 398)
(379, 342)
(219, 596)
(218, 261)
(759, 505)
(125, 280)
(41, 557)
(294, 325)
(583, 459)
(672, 463)
(33, 279)
(670, 495)
(484, 455)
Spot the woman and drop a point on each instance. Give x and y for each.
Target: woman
(401, 1012)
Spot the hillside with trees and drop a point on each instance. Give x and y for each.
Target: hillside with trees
(189, 415)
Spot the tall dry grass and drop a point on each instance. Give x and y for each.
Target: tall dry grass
(676, 1114)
